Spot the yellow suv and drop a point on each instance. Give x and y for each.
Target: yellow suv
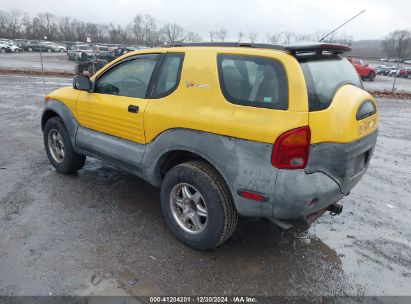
(267, 131)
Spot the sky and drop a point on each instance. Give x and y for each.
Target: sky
(261, 16)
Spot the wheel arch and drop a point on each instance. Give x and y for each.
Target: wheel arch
(175, 157)
(57, 108)
(47, 114)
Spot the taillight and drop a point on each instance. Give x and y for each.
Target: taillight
(291, 149)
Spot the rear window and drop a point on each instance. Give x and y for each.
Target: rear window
(324, 75)
(84, 47)
(253, 81)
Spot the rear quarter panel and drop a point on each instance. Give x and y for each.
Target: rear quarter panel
(338, 123)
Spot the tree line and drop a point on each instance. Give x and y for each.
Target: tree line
(141, 30)
(144, 30)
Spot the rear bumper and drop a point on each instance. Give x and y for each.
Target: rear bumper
(333, 170)
(298, 194)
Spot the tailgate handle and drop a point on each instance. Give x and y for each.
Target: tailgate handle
(133, 109)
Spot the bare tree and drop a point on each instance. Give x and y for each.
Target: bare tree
(287, 37)
(221, 35)
(213, 36)
(398, 44)
(151, 36)
(14, 23)
(273, 38)
(253, 36)
(4, 19)
(172, 33)
(193, 37)
(240, 36)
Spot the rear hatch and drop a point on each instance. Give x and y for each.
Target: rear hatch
(343, 119)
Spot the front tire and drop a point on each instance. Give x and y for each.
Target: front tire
(59, 149)
(197, 205)
(371, 76)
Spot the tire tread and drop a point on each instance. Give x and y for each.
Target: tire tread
(230, 212)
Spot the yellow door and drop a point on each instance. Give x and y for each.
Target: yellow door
(118, 101)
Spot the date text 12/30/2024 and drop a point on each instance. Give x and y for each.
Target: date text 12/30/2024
(203, 299)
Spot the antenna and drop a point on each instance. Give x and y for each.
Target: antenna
(333, 31)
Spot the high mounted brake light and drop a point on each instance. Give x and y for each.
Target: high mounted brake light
(291, 149)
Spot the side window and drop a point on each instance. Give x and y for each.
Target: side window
(253, 81)
(169, 75)
(130, 78)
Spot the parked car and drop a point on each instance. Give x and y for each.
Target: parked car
(404, 73)
(392, 71)
(74, 53)
(12, 47)
(363, 69)
(123, 50)
(228, 129)
(101, 50)
(4, 48)
(382, 70)
(35, 45)
(90, 63)
(56, 47)
(407, 61)
(20, 43)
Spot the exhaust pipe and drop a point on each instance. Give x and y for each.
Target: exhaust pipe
(335, 209)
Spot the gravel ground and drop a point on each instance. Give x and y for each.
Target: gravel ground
(101, 231)
(384, 83)
(52, 62)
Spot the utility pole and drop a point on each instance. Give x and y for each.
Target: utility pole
(41, 62)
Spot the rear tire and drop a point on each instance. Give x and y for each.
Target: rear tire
(59, 149)
(30, 49)
(215, 197)
(3, 50)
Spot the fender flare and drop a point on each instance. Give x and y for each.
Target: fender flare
(57, 108)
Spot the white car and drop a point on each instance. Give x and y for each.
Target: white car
(56, 47)
(392, 72)
(3, 47)
(407, 61)
(10, 46)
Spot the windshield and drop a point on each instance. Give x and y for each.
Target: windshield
(324, 75)
(84, 47)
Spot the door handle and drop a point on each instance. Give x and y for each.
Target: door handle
(133, 109)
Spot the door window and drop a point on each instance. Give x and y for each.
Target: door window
(130, 78)
(253, 81)
(169, 76)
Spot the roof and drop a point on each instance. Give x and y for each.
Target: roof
(293, 49)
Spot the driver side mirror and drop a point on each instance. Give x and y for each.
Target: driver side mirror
(82, 83)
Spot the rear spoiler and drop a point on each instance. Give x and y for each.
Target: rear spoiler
(318, 48)
(293, 49)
